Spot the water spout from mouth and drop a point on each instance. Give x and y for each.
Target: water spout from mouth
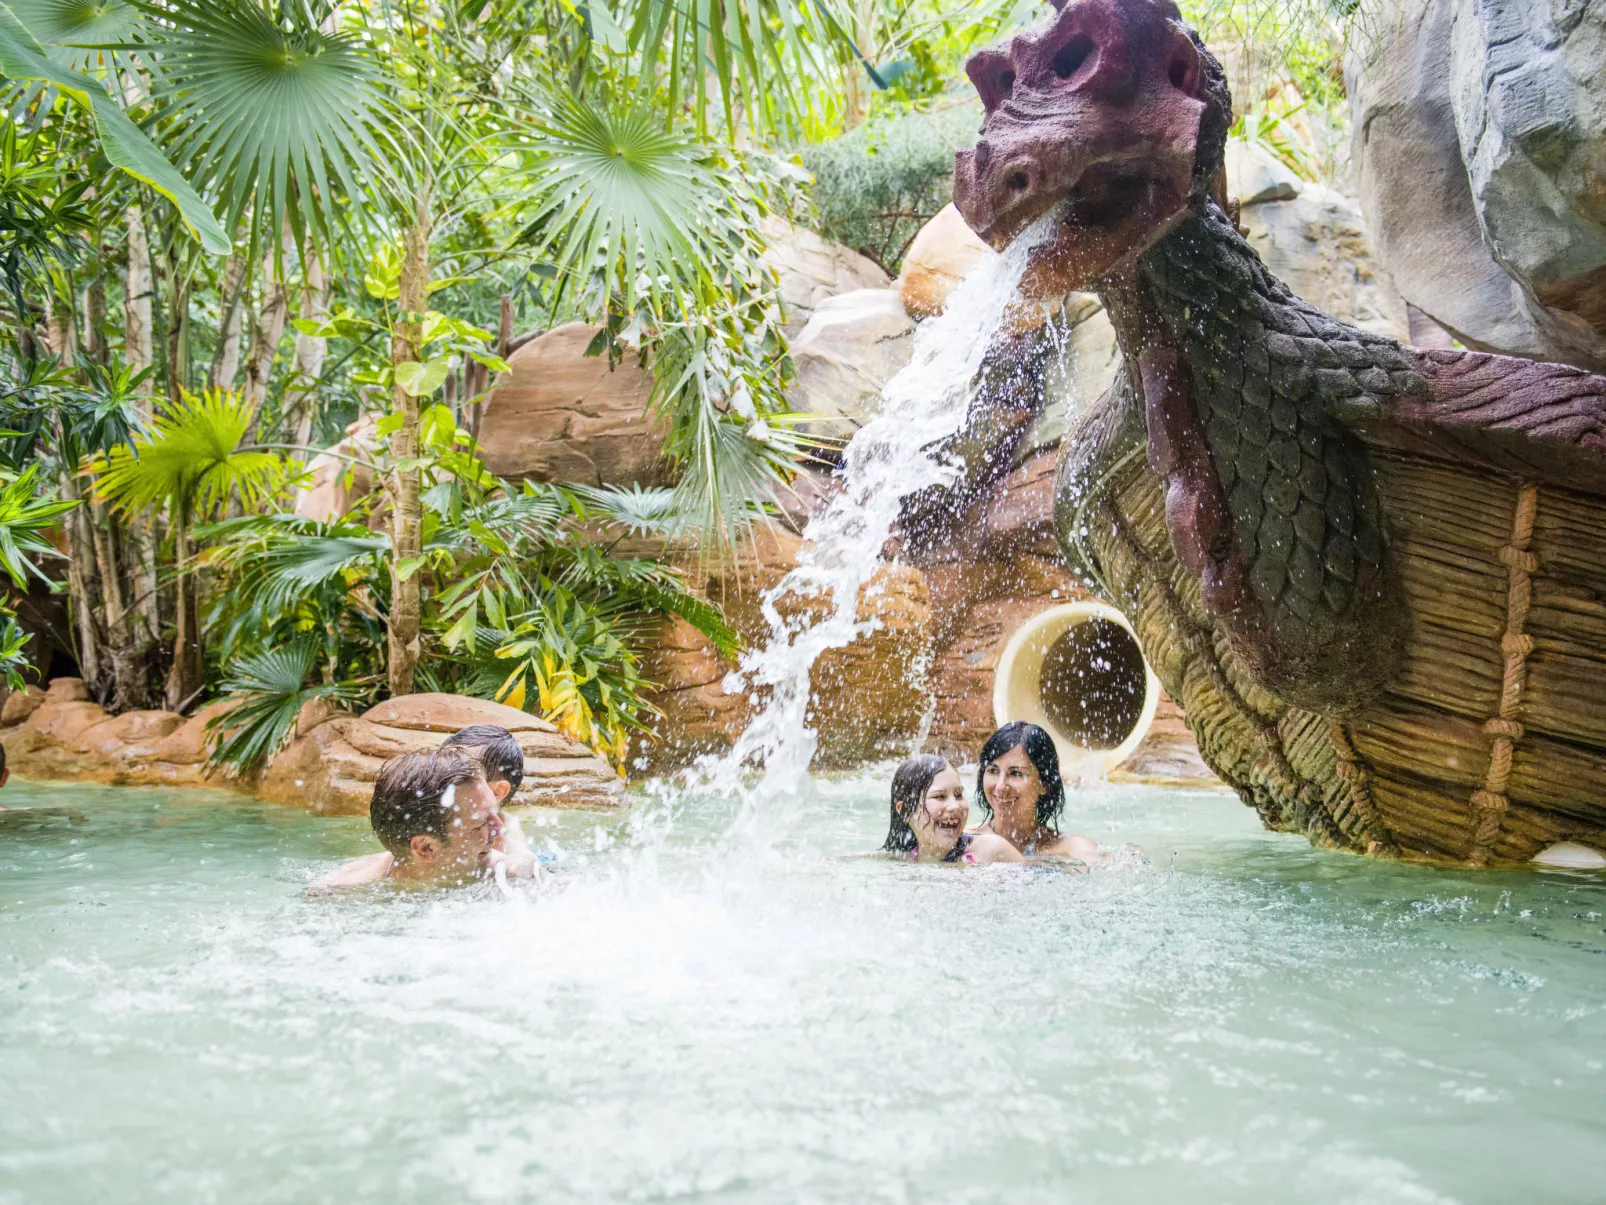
(893, 457)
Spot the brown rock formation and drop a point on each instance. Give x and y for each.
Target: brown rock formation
(331, 764)
(328, 767)
(561, 415)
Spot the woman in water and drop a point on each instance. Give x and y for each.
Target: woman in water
(1018, 787)
(928, 817)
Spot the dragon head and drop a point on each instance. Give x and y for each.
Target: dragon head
(1112, 110)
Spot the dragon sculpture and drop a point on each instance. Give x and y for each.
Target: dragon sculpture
(1374, 575)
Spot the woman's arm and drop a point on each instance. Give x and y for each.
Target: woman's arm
(990, 847)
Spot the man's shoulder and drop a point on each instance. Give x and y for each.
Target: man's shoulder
(367, 869)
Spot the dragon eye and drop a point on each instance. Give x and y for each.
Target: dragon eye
(1068, 60)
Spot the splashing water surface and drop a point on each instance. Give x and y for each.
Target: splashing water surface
(893, 457)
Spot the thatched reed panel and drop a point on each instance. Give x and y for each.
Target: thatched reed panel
(1437, 504)
(1562, 697)
(1450, 669)
(1423, 816)
(1570, 538)
(1525, 831)
(1444, 749)
(1458, 592)
(1568, 779)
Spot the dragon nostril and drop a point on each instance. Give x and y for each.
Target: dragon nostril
(1006, 82)
(1018, 181)
(1179, 74)
(1068, 59)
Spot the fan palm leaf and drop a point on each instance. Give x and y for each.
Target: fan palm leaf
(271, 690)
(286, 122)
(191, 458)
(617, 194)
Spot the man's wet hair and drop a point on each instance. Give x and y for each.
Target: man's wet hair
(497, 749)
(2, 759)
(413, 795)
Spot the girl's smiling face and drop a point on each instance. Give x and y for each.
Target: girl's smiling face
(1013, 787)
(939, 819)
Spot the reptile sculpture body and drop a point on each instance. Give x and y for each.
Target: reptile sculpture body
(1373, 575)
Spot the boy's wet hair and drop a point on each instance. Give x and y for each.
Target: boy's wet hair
(497, 750)
(411, 796)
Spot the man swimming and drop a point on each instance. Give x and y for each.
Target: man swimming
(501, 762)
(438, 818)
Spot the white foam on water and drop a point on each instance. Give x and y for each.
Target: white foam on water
(894, 456)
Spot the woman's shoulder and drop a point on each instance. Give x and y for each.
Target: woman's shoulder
(990, 847)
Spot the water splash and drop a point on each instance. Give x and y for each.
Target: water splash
(894, 456)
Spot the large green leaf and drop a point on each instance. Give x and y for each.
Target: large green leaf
(23, 58)
(192, 457)
(288, 122)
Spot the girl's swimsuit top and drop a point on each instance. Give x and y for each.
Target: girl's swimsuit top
(961, 850)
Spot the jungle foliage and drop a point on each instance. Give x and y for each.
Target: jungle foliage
(231, 229)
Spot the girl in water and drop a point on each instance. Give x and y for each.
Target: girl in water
(1018, 787)
(928, 817)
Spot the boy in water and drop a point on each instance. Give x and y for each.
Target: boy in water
(498, 753)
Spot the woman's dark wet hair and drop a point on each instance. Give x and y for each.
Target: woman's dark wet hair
(1040, 751)
(910, 783)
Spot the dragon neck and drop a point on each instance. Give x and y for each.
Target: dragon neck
(1269, 498)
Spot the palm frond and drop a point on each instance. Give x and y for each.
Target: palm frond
(614, 192)
(191, 456)
(271, 689)
(278, 117)
(640, 510)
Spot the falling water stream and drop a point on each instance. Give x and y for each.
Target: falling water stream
(893, 457)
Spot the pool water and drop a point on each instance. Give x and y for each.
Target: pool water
(691, 1018)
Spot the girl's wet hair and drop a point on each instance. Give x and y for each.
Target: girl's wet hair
(910, 783)
(1040, 751)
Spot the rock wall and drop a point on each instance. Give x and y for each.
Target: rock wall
(563, 416)
(328, 767)
(1479, 148)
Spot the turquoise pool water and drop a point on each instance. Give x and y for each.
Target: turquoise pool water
(1239, 1019)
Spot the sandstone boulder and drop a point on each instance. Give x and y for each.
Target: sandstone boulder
(853, 344)
(563, 416)
(1528, 90)
(331, 768)
(812, 270)
(1317, 243)
(20, 704)
(339, 478)
(937, 260)
(1255, 175)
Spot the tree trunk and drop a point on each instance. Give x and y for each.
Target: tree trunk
(129, 684)
(406, 508)
(95, 319)
(265, 335)
(185, 677)
(226, 362)
(82, 586)
(139, 352)
(301, 395)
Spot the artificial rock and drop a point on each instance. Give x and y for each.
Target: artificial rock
(812, 270)
(561, 415)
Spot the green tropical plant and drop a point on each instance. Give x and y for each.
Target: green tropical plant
(281, 119)
(270, 688)
(189, 464)
(26, 513)
(23, 59)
